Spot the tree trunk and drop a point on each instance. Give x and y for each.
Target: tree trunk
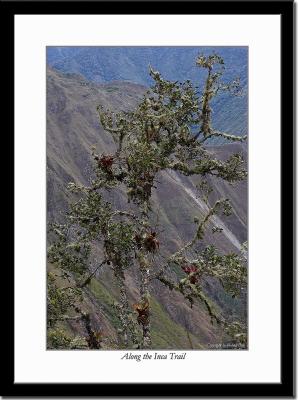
(145, 275)
(123, 307)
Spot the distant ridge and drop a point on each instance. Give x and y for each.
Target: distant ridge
(130, 64)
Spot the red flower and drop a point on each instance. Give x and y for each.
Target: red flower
(106, 162)
(150, 242)
(143, 312)
(191, 269)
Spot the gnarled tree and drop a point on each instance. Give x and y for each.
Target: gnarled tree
(168, 130)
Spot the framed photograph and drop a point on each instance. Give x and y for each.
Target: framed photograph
(153, 157)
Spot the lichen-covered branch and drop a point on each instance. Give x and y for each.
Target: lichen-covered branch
(228, 136)
(190, 292)
(200, 230)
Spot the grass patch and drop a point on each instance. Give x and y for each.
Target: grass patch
(106, 300)
(167, 334)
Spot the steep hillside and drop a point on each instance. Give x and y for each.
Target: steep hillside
(106, 64)
(72, 128)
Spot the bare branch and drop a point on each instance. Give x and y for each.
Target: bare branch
(88, 279)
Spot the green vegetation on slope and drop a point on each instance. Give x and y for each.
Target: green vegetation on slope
(166, 334)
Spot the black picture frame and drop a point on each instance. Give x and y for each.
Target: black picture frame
(286, 386)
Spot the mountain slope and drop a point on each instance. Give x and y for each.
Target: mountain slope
(105, 64)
